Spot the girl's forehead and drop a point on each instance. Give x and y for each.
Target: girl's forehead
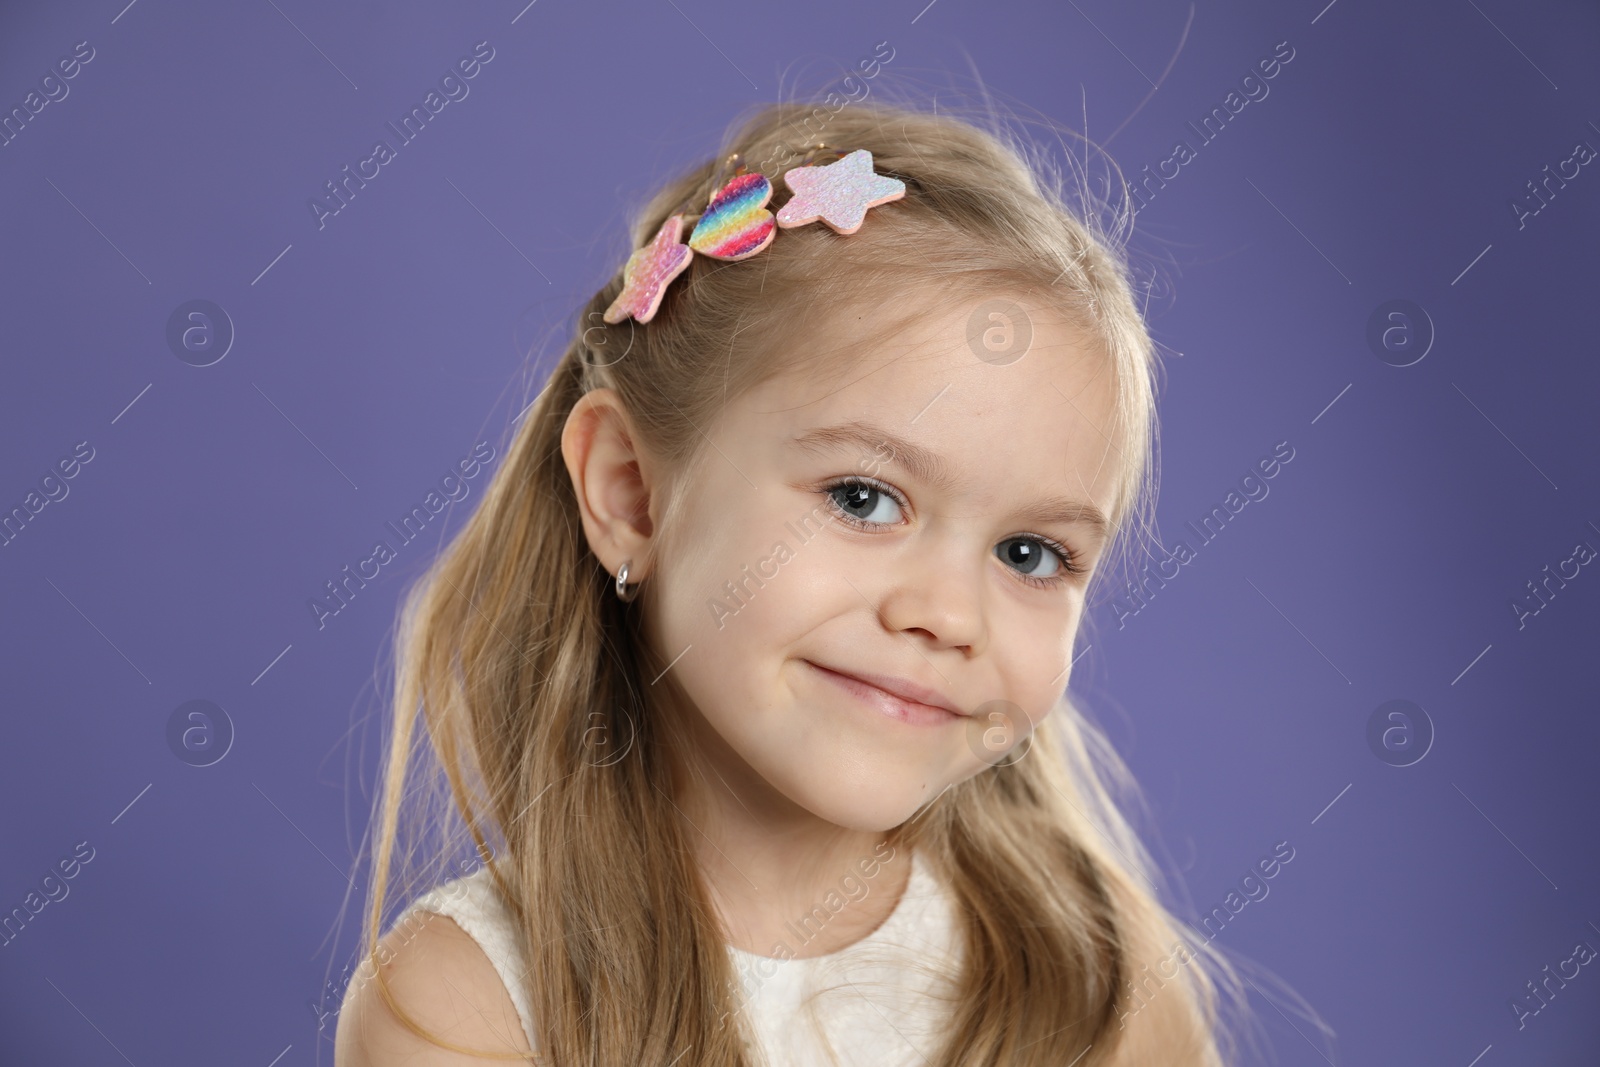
(998, 329)
(1008, 357)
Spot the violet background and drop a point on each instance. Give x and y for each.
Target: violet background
(1382, 565)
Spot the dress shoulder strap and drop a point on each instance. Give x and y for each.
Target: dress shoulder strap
(474, 903)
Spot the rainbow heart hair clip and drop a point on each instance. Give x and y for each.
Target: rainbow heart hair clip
(736, 224)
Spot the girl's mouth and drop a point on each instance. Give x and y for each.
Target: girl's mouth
(892, 705)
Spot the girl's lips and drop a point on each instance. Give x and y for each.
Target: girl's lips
(886, 703)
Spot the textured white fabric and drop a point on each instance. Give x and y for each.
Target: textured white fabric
(879, 1002)
(475, 905)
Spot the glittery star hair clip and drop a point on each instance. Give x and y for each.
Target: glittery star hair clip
(838, 194)
(737, 225)
(649, 270)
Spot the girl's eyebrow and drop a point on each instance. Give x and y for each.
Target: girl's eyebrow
(932, 469)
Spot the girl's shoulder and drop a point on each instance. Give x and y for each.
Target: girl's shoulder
(450, 962)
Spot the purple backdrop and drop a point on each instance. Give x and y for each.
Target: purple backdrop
(1410, 182)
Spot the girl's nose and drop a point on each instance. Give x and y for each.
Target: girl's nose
(936, 597)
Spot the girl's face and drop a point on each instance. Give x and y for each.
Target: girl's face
(874, 581)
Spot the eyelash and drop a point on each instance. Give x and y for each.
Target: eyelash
(1070, 568)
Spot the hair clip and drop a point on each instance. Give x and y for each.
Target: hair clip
(838, 193)
(736, 223)
(649, 271)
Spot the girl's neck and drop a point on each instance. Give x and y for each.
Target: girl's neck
(790, 899)
(783, 881)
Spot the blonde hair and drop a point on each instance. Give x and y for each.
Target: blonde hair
(529, 676)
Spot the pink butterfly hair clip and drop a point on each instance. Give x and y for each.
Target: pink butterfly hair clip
(737, 225)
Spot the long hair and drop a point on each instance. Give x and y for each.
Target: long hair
(530, 680)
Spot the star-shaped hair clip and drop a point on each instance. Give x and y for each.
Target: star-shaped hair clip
(838, 194)
(649, 271)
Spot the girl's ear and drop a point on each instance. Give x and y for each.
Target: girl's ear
(611, 479)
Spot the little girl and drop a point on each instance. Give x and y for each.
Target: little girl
(747, 675)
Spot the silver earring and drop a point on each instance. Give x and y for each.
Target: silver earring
(625, 592)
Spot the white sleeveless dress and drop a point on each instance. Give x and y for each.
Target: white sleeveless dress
(881, 1001)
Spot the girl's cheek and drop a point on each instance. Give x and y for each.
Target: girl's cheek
(727, 591)
(1034, 654)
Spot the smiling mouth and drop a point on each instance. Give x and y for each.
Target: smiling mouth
(890, 705)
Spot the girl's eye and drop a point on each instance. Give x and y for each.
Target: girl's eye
(1032, 558)
(865, 503)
